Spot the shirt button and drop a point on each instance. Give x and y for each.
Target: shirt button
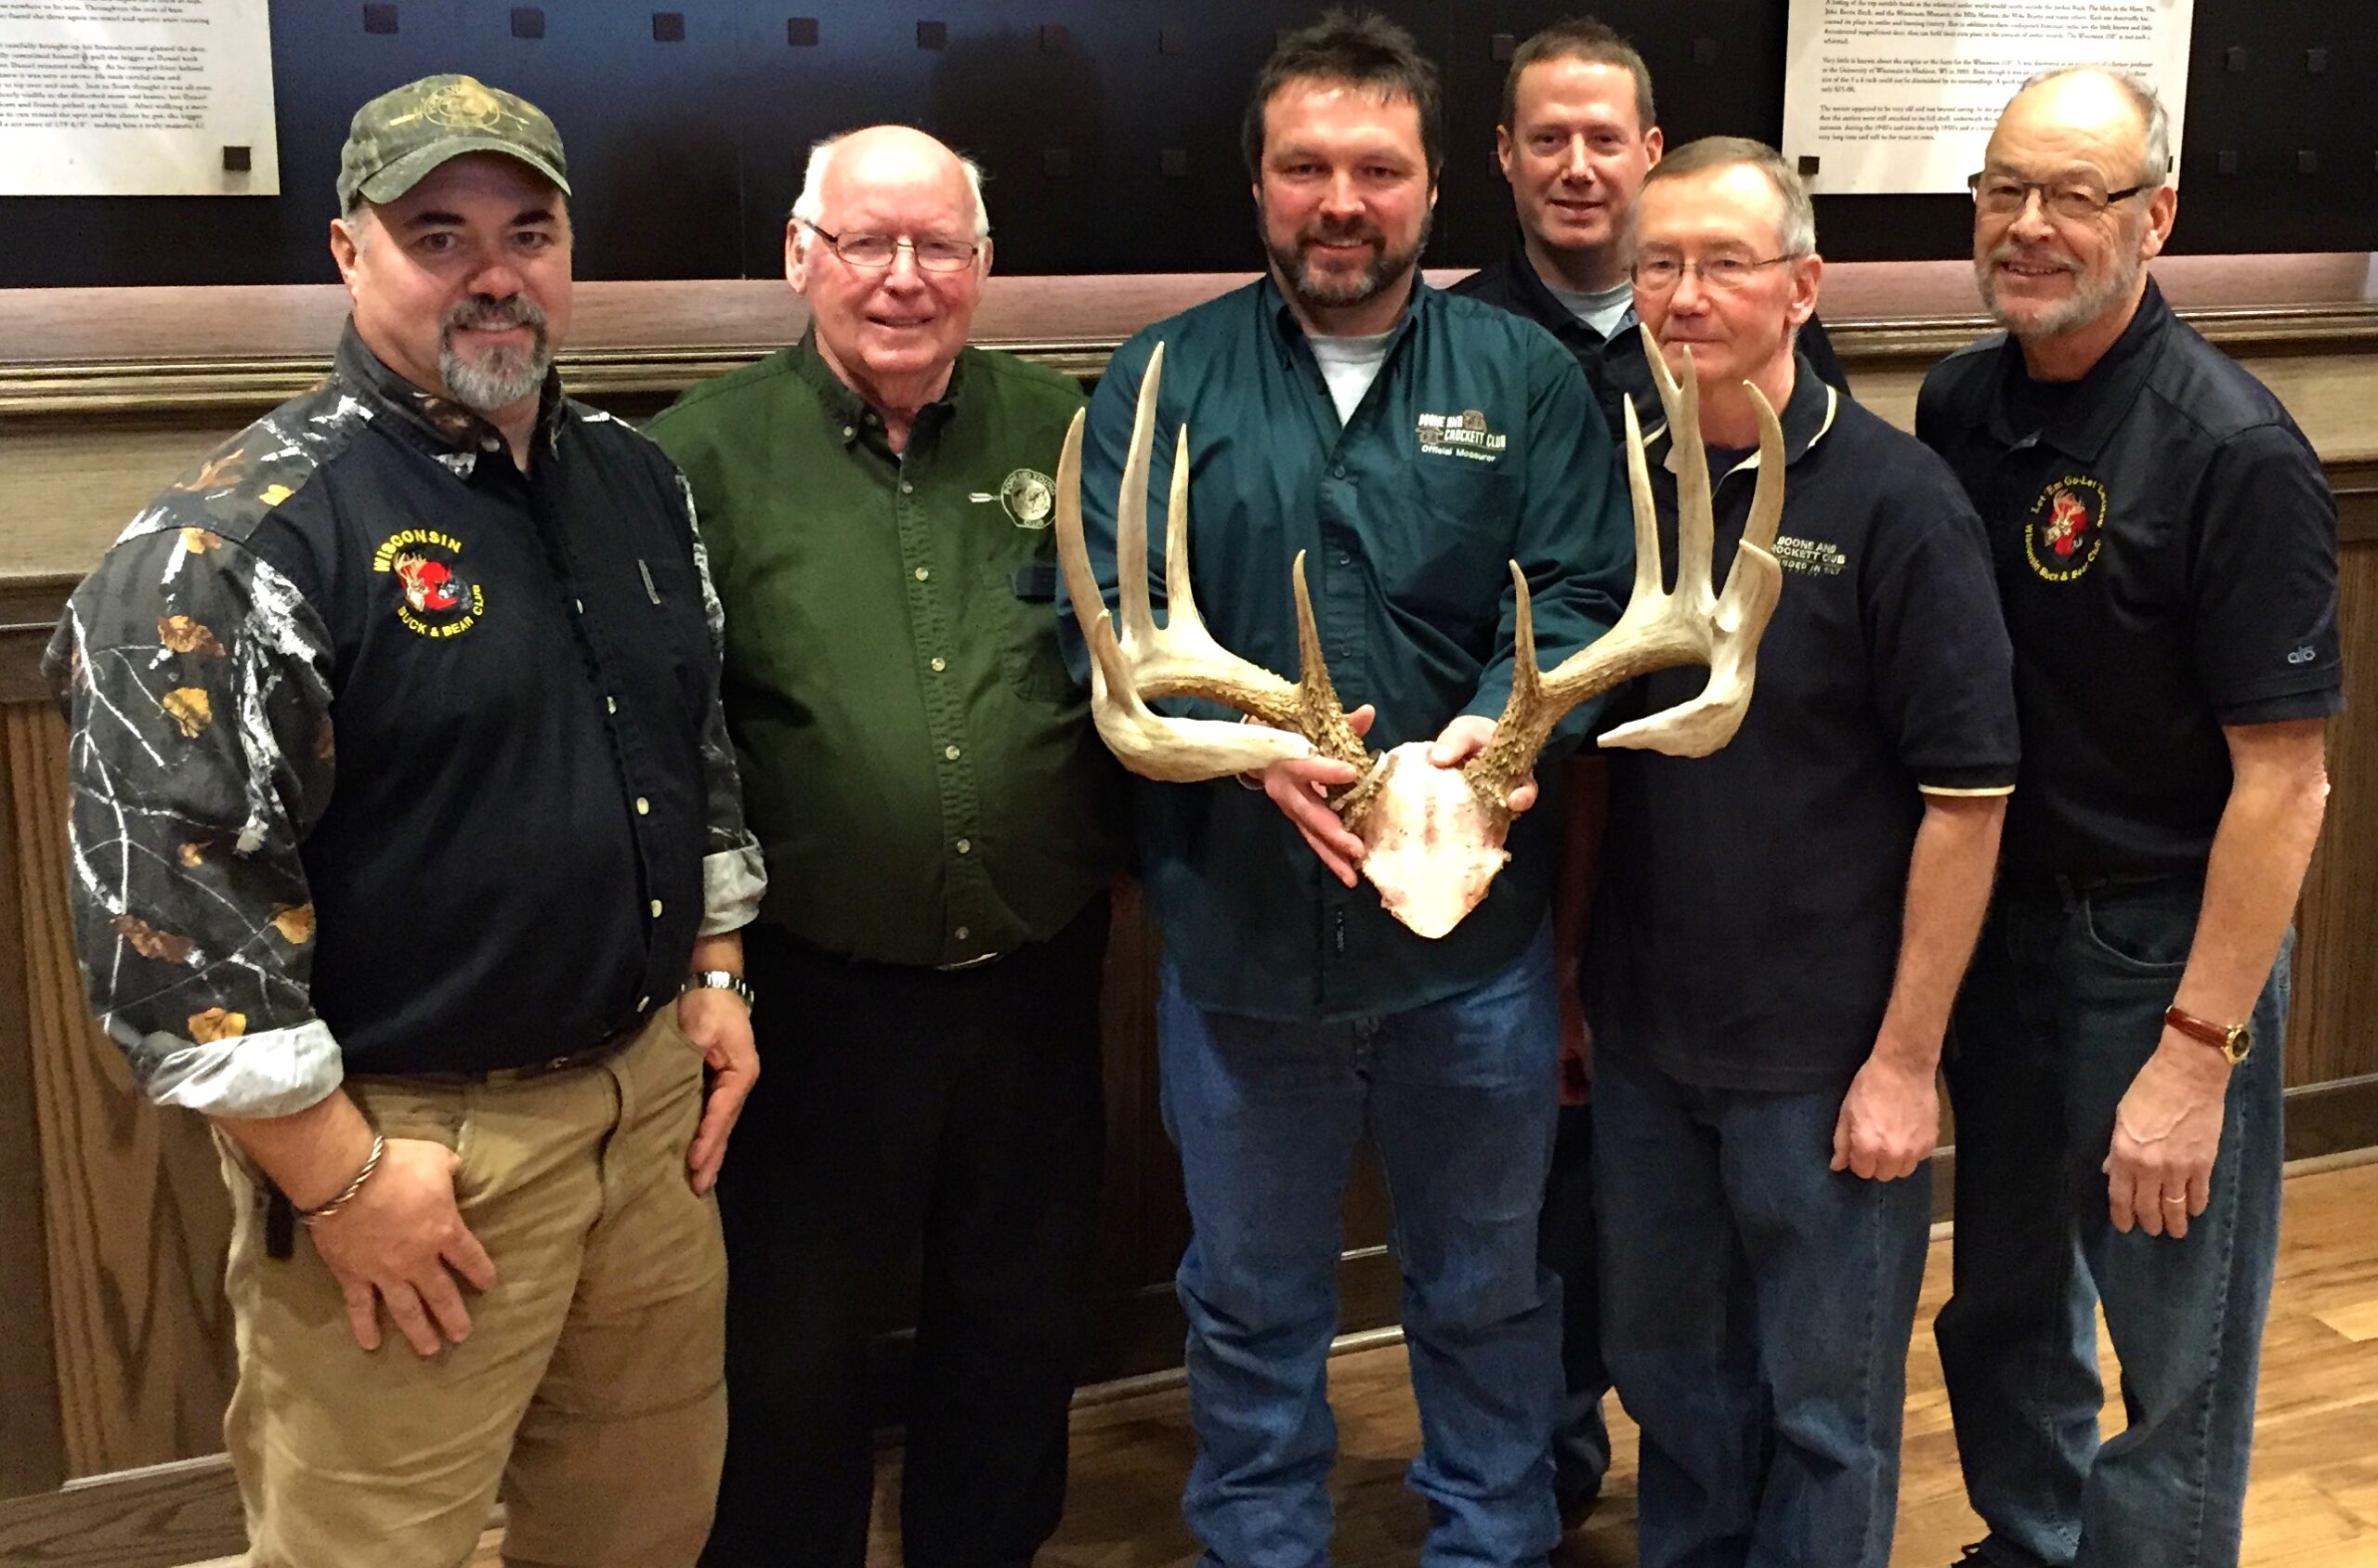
(951, 751)
(965, 846)
(642, 806)
(643, 1002)
(580, 604)
(939, 665)
(960, 934)
(610, 705)
(923, 574)
(908, 489)
(1341, 557)
(848, 431)
(1338, 471)
(656, 909)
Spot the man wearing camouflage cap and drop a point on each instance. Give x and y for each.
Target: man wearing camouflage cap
(407, 849)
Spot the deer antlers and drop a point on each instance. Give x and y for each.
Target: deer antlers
(1692, 624)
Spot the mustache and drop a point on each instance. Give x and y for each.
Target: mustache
(2015, 253)
(486, 313)
(1323, 232)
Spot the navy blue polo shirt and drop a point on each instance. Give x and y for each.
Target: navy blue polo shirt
(2165, 548)
(1746, 921)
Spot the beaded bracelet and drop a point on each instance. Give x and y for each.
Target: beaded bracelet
(371, 1163)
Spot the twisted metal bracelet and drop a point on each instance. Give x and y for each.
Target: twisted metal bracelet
(371, 1163)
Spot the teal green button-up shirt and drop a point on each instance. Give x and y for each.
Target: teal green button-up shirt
(1479, 444)
(919, 767)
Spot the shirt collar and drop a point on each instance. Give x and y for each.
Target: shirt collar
(439, 426)
(2101, 398)
(1807, 416)
(1288, 333)
(845, 407)
(1541, 303)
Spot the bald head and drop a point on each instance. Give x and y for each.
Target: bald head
(2107, 120)
(888, 244)
(889, 158)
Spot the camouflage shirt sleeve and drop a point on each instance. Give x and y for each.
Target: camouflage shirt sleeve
(733, 876)
(194, 678)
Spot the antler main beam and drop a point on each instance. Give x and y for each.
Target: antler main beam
(1661, 628)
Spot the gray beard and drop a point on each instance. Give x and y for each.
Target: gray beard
(1386, 269)
(501, 377)
(2088, 301)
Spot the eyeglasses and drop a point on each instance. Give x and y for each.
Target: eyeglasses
(875, 252)
(1660, 273)
(2003, 196)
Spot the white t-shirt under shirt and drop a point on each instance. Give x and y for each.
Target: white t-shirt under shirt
(1349, 365)
(1601, 309)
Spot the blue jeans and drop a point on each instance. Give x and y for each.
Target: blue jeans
(2062, 1006)
(1756, 1308)
(1457, 1098)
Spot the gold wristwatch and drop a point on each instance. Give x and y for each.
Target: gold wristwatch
(2235, 1042)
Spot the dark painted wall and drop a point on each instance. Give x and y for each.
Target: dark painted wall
(1110, 126)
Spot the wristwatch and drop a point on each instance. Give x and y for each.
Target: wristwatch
(720, 980)
(2235, 1042)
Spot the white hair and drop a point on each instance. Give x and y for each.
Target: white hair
(810, 205)
(2155, 165)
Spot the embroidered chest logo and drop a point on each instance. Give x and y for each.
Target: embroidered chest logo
(1029, 496)
(1812, 557)
(433, 599)
(1460, 435)
(2067, 528)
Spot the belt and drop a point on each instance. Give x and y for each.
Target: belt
(593, 1055)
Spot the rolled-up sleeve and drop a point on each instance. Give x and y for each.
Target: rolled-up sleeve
(194, 678)
(733, 875)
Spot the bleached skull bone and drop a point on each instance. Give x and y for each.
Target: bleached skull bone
(1431, 846)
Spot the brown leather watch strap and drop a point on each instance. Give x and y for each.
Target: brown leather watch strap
(2222, 1037)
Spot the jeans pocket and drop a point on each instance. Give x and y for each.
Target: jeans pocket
(2147, 931)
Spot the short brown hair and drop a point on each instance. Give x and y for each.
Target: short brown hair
(1712, 153)
(1580, 38)
(1359, 48)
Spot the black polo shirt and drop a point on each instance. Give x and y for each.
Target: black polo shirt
(2165, 546)
(1512, 284)
(1746, 921)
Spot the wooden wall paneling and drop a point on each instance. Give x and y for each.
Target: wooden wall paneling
(157, 1518)
(2331, 1034)
(136, 1215)
(32, 1455)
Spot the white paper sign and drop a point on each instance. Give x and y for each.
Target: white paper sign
(137, 98)
(1900, 95)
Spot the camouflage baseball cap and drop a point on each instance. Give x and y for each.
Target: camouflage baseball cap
(401, 135)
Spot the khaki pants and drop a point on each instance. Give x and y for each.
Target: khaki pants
(592, 1386)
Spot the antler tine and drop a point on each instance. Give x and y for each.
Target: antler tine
(1767, 501)
(1131, 517)
(1689, 460)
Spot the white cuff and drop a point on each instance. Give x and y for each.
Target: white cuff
(732, 882)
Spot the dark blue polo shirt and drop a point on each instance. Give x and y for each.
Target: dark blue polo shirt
(1746, 922)
(2165, 546)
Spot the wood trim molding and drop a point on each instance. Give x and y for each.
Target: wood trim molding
(76, 389)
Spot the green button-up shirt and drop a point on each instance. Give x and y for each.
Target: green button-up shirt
(1478, 444)
(918, 767)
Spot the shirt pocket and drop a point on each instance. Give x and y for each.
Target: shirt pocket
(1026, 594)
(1453, 528)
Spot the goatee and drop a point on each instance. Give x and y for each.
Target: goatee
(497, 376)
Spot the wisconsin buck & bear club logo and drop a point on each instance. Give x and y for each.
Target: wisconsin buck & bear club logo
(433, 599)
(2067, 529)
